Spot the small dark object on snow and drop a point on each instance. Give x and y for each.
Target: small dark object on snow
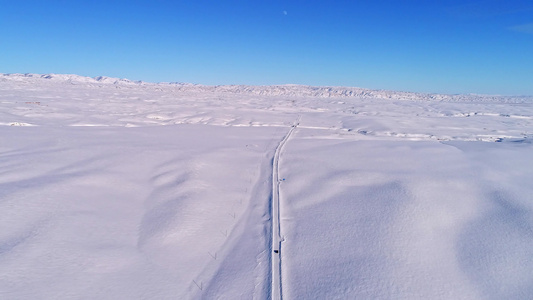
(276, 251)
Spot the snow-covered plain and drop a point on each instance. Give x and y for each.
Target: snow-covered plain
(113, 189)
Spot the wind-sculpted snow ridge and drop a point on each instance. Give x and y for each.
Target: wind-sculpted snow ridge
(289, 90)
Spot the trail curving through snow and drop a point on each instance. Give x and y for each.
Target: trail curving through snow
(277, 239)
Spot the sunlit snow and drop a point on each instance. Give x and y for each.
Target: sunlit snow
(114, 189)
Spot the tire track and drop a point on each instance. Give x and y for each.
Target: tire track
(277, 239)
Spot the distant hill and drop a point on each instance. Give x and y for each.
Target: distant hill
(289, 90)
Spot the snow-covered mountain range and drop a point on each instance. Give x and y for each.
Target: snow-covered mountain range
(289, 90)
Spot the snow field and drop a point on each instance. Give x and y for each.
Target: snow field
(113, 189)
(410, 220)
(131, 212)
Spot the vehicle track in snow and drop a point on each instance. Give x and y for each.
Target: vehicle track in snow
(277, 239)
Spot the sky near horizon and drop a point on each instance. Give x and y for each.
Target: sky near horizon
(447, 46)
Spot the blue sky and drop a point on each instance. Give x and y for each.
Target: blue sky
(445, 46)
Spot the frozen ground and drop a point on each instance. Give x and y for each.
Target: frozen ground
(112, 189)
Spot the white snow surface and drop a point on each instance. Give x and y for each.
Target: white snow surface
(119, 189)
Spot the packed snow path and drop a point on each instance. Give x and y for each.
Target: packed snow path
(277, 239)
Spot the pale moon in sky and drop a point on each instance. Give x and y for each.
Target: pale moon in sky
(285, 12)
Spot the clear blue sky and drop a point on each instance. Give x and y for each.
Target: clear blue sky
(448, 46)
